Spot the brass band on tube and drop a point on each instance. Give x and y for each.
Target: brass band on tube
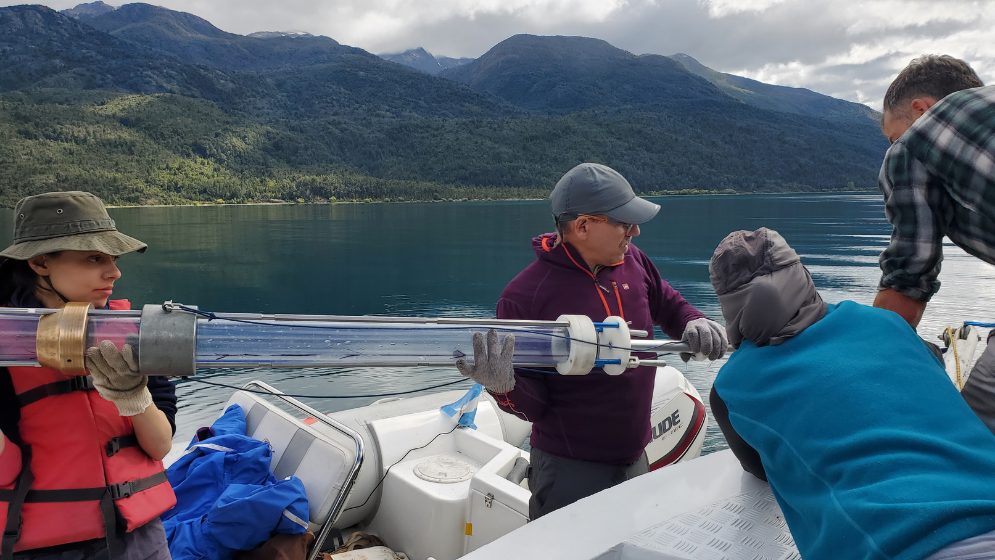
(60, 342)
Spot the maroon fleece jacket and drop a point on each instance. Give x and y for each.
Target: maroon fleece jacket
(594, 417)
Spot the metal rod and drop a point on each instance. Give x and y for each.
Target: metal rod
(659, 346)
(654, 363)
(665, 347)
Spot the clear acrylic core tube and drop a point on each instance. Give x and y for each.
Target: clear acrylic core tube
(312, 341)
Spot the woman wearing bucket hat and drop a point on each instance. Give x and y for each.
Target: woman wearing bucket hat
(867, 446)
(80, 457)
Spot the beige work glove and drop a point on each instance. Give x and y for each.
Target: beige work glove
(491, 362)
(115, 375)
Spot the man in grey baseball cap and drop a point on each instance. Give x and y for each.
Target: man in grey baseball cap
(589, 432)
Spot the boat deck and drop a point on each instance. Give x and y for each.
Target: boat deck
(707, 508)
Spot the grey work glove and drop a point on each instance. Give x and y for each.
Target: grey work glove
(491, 362)
(705, 336)
(115, 375)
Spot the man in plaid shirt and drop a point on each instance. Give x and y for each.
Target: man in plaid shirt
(938, 179)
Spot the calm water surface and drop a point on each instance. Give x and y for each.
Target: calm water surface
(453, 259)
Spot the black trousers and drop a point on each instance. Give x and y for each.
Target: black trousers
(147, 542)
(556, 481)
(979, 390)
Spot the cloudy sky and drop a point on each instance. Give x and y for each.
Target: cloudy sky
(846, 49)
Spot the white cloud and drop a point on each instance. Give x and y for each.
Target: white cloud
(846, 49)
(720, 8)
(882, 37)
(377, 24)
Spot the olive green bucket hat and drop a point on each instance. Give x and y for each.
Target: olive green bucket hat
(66, 221)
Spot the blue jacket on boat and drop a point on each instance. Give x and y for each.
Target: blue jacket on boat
(868, 447)
(226, 497)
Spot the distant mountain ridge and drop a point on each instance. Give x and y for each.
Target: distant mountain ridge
(290, 74)
(567, 74)
(779, 98)
(138, 20)
(84, 11)
(277, 34)
(197, 41)
(424, 61)
(447, 62)
(44, 49)
(144, 104)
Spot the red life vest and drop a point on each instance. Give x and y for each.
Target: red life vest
(87, 471)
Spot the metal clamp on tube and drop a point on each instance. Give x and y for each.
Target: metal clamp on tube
(60, 341)
(167, 342)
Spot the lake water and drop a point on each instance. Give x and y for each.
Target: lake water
(453, 259)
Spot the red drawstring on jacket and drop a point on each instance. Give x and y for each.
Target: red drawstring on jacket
(597, 287)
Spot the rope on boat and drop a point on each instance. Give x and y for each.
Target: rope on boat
(953, 335)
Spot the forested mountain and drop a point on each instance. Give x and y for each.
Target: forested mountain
(683, 116)
(276, 73)
(195, 41)
(146, 105)
(41, 48)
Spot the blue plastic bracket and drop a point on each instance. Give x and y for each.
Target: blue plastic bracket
(599, 327)
(465, 419)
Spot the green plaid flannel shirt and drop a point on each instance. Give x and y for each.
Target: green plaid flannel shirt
(938, 179)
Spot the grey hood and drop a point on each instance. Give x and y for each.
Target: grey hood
(766, 294)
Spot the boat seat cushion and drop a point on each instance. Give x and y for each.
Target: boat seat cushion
(321, 458)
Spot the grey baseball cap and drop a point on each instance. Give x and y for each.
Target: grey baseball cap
(592, 188)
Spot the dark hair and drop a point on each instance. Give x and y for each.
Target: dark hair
(561, 223)
(930, 75)
(18, 284)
